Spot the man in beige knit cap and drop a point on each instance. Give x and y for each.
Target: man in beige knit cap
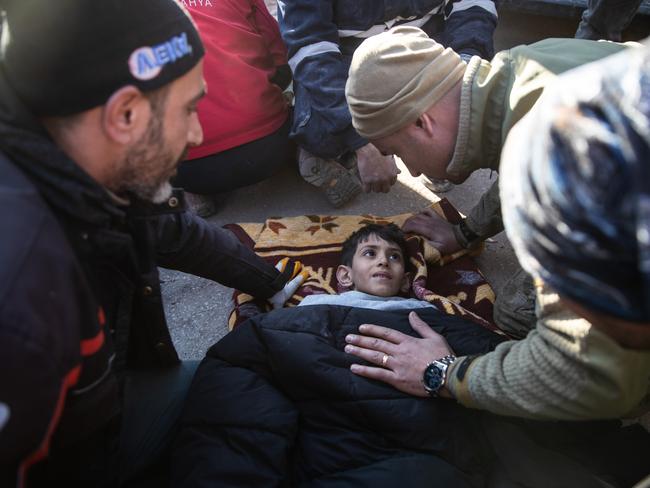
(446, 118)
(447, 124)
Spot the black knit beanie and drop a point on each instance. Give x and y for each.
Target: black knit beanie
(65, 56)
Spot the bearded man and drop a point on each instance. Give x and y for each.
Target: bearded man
(98, 107)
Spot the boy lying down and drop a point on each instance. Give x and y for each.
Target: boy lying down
(275, 402)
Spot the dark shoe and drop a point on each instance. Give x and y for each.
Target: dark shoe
(342, 189)
(339, 184)
(437, 186)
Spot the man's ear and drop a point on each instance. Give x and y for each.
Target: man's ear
(424, 125)
(126, 115)
(344, 276)
(406, 283)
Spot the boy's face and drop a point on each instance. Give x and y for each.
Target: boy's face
(377, 269)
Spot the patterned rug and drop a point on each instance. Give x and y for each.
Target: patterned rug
(453, 283)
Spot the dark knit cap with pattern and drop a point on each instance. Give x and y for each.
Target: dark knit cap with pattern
(575, 174)
(65, 56)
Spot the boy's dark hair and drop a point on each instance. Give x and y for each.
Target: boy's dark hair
(388, 232)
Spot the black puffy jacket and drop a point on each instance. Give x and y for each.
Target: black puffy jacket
(274, 404)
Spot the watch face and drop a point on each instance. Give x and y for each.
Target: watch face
(433, 378)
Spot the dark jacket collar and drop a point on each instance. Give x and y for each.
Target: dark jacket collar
(67, 189)
(65, 186)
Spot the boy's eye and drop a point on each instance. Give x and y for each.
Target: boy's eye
(395, 257)
(368, 252)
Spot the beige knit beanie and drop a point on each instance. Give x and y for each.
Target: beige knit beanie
(395, 77)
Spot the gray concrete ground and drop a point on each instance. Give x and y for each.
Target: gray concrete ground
(197, 309)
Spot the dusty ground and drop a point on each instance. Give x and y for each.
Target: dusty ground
(197, 309)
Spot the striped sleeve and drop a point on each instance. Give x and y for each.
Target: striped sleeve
(469, 27)
(319, 72)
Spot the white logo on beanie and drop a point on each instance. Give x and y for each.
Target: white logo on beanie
(145, 63)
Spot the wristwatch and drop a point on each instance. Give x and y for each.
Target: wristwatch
(435, 374)
(465, 236)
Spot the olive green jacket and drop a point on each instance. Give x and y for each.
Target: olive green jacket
(565, 369)
(494, 96)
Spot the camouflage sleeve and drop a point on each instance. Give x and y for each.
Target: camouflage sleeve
(484, 220)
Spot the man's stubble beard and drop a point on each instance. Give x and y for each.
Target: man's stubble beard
(149, 164)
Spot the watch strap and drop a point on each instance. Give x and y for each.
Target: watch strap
(465, 236)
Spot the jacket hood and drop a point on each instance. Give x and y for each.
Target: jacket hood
(479, 119)
(496, 94)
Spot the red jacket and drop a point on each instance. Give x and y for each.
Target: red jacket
(243, 50)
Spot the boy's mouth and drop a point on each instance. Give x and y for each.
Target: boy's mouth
(383, 276)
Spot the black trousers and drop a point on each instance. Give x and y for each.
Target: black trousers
(240, 166)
